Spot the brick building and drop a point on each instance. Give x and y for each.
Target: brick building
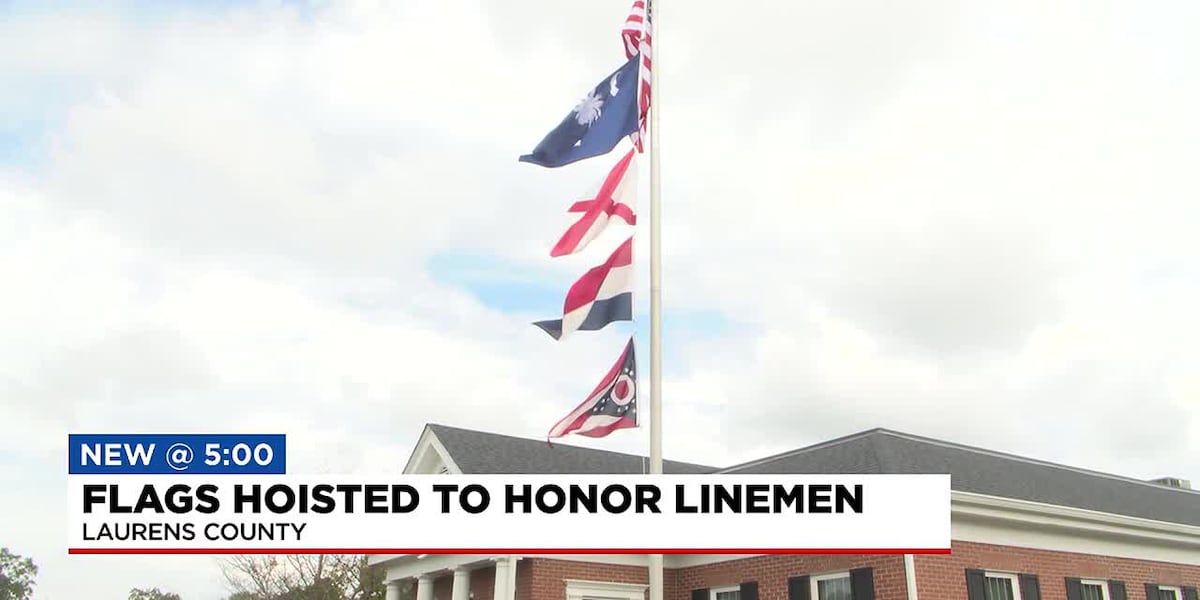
(1022, 529)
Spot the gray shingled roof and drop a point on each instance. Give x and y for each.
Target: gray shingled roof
(876, 451)
(986, 472)
(492, 453)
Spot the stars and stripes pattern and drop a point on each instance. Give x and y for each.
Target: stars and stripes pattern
(631, 33)
(612, 405)
(637, 36)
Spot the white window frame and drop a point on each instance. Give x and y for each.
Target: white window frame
(1011, 577)
(712, 592)
(814, 579)
(578, 589)
(1171, 588)
(1103, 585)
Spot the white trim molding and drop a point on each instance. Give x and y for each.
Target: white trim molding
(430, 456)
(1171, 588)
(1014, 582)
(910, 576)
(1004, 521)
(815, 580)
(670, 561)
(578, 589)
(406, 566)
(1099, 583)
(725, 589)
(682, 561)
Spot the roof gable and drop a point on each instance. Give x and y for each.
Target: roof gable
(430, 457)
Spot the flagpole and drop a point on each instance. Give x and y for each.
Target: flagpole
(656, 468)
(655, 266)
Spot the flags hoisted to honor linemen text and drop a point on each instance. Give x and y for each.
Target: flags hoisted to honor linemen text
(518, 513)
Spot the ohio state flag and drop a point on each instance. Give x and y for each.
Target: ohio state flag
(611, 406)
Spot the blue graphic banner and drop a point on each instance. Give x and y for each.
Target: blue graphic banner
(178, 454)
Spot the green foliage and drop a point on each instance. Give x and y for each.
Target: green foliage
(152, 594)
(17, 576)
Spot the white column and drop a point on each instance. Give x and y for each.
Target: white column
(393, 590)
(512, 577)
(424, 588)
(654, 565)
(506, 578)
(462, 584)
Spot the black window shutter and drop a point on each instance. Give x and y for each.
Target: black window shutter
(1116, 590)
(975, 586)
(700, 594)
(798, 588)
(1029, 587)
(1074, 589)
(1189, 593)
(748, 590)
(862, 584)
(1151, 591)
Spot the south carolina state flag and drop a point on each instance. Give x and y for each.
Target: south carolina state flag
(602, 118)
(611, 406)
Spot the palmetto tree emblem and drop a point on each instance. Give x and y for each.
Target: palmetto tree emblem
(588, 109)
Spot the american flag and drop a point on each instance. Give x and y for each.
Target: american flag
(637, 36)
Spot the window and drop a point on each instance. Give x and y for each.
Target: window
(832, 586)
(725, 593)
(1169, 593)
(603, 590)
(1000, 586)
(1091, 589)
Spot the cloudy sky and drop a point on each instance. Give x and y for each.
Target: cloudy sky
(973, 221)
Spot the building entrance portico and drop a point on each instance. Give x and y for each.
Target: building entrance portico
(453, 577)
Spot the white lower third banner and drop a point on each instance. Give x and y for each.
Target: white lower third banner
(881, 514)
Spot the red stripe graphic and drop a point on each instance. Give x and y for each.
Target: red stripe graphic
(585, 551)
